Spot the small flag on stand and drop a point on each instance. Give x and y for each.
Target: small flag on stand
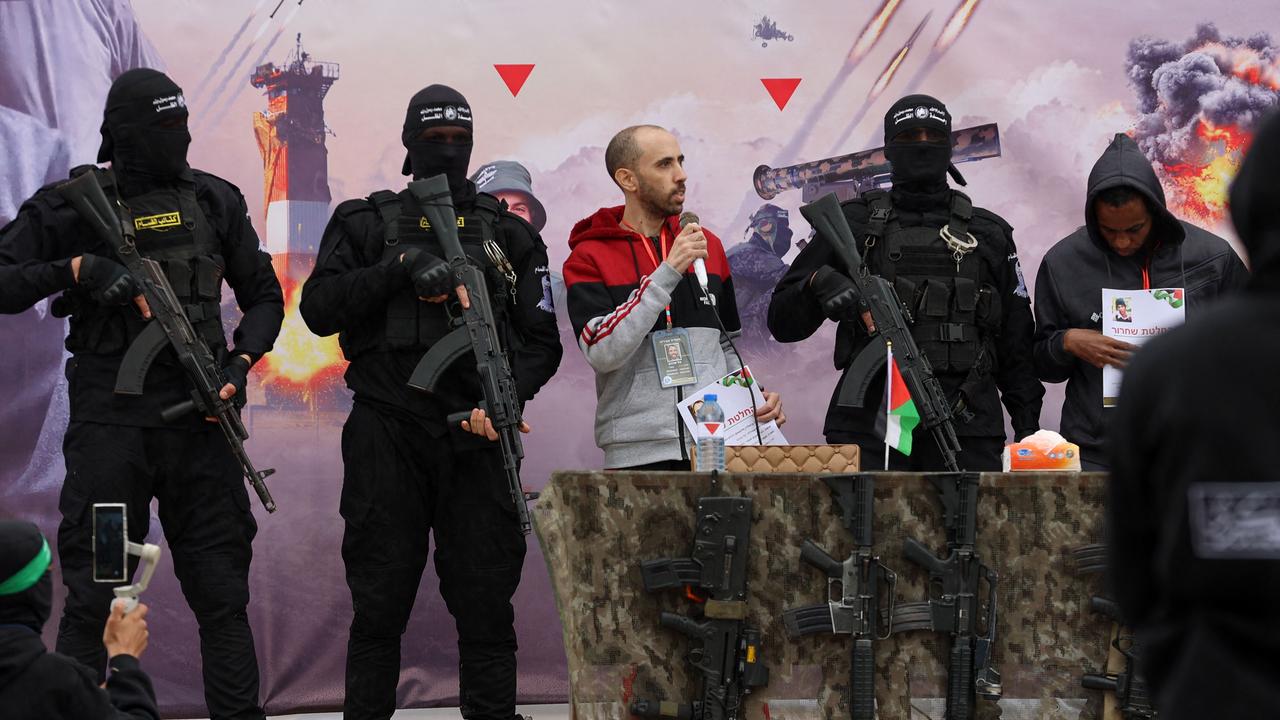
(901, 416)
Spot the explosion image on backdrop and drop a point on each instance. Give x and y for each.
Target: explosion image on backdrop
(1199, 102)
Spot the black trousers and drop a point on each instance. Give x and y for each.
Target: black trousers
(977, 454)
(398, 486)
(204, 511)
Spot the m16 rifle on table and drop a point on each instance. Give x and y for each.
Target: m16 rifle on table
(955, 605)
(856, 609)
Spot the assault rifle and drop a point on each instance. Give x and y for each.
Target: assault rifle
(476, 331)
(955, 608)
(892, 326)
(1132, 699)
(170, 327)
(855, 610)
(726, 649)
(1129, 687)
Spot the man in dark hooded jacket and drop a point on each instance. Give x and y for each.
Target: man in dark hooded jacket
(1194, 514)
(971, 315)
(381, 283)
(122, 447)
(1129, 240)
(39, 685)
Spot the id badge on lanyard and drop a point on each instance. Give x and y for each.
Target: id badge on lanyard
(673, 355)
(672, 349)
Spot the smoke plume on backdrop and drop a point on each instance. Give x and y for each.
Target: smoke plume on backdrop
(1200, 101)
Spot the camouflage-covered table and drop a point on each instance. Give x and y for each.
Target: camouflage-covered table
(595, 529)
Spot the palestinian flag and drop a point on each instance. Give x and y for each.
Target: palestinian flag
(902, 417)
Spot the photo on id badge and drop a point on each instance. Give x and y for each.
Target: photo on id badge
(674, 358)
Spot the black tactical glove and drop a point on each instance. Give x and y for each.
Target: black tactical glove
(106, 281)
(837, 294)
(430, 275)
(236, 372)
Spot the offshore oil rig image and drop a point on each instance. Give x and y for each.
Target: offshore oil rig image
(291, 139)
(303, 372)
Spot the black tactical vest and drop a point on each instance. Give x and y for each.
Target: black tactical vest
(410, 322)
(953, 306)
(172, 230)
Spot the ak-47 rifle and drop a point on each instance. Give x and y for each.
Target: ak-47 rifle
(956, 607)
(855, 611)
(726, 649)
(170, 328)
(475, 331)
(892, 327)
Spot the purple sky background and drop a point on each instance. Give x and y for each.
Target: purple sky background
(1050, 73)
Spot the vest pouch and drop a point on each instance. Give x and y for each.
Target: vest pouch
(909, 293)
(989, 310)
(206, 318)
(931, 309)
(965, 299)
(180, 277)
(209, 277)
(935, 300)
(959, 332)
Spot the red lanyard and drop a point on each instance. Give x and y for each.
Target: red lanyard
(648, 249)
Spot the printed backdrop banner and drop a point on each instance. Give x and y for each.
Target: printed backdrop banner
(300, 104)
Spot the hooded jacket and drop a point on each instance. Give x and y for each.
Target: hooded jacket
(34, 683)
(1074, 272)
(1194, 492)
(39, 685)
(616, 297)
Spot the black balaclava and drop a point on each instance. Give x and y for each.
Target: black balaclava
(433, 106)
(918, 165)
(144, 128)
(26, 588)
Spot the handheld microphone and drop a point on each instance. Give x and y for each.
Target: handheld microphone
(699, 267)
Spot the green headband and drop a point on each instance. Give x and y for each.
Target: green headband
(27, 576)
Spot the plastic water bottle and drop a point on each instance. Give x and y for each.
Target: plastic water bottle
(711, 445)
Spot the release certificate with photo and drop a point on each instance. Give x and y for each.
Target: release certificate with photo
(1136, 316)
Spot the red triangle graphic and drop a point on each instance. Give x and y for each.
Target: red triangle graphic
(514, 76)
(780, 89)
(711, 427)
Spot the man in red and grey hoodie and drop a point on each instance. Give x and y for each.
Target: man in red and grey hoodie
(633, 294)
